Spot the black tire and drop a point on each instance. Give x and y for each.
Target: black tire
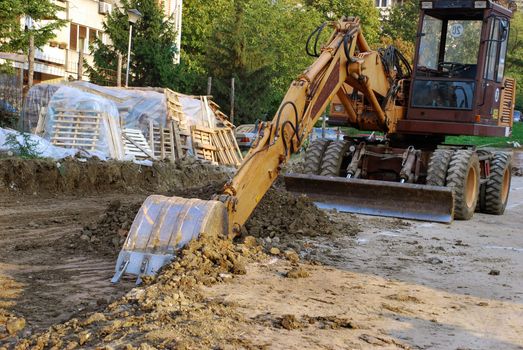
(463, 177)
(331, 164)
(498, 184)
(314, 156)
(438, 167)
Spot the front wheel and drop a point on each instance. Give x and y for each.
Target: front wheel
(463, 177)
(498, 184)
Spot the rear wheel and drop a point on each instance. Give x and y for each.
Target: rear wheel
(498, 185)
(463, 177)
(332, 162)
(314, 156)
(438, 166)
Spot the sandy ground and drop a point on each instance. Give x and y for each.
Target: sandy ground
(41, 280)
(402, 285)
(396, 284)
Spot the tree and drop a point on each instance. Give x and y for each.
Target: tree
(514, 60)
(41, 21)
(14, 37)
(261, 44)
(364, 9)
(153, 46)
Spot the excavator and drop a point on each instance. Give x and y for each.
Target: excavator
(456, 86)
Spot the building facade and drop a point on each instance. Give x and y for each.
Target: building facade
(59, 59)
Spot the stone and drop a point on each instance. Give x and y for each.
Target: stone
(14, 325)
(292, 256)
(297, 272)
(494, 272)
(274, 251)
(96, 317)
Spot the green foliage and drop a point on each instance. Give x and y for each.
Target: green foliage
(25, 149)
(514, 61)
(364, 9)
(258, 45)
(488, 141)
(402, 21)
(152, 51)
(13, 37)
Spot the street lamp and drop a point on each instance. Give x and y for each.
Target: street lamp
(134, 15)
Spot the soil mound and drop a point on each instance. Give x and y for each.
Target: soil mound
(70, 175)
(280, 220)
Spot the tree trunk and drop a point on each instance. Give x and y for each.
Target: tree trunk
(31, 58)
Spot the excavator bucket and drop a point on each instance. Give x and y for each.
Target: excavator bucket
(371, 197)
(162, 226)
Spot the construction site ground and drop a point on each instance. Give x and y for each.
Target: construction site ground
(383, 283)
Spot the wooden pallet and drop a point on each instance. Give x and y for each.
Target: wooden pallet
(202, 143)
(227, 152)
(76, 128)
(136, 145)
(168, 143)
(175, 110)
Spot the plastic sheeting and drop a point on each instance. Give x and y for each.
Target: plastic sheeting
(71, 99)
(43, 147)
(37, 98)
(197, 112)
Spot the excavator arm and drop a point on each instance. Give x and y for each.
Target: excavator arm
(164, 224)
(303, 104)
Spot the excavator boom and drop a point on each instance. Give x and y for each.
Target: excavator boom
(165, 224)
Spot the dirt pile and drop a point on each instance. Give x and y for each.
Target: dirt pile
(283, 220)
(70, 175)
(168, 312)
(107, 234)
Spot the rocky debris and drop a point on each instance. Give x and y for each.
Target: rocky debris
(329, 322)
(284, 221)
(290, 322)
(169, 311)
(297, 272)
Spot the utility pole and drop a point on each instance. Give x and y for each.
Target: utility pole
(209, 86)
(232, 101)
(119, 71)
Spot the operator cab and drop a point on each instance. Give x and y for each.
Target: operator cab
(458, 68)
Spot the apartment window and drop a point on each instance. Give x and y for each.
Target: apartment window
(92, 35)
(73, 37)
(381, 3)
(82, 37)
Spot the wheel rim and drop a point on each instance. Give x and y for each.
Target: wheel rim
(506, 185)
(471, 187)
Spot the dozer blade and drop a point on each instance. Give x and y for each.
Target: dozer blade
(162, 226)
(371, 197)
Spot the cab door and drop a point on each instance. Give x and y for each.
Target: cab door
(494, 67)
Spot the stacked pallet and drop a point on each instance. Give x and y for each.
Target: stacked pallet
(216, 145)
(168, 143)
(76, 129)
(82, 129)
